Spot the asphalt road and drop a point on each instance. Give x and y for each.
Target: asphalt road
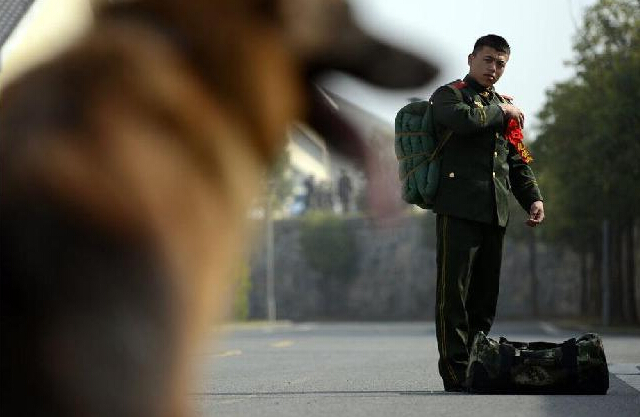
(381, 369)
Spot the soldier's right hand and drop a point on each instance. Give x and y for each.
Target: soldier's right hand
(512, 112)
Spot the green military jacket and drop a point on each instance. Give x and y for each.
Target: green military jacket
(479, 166)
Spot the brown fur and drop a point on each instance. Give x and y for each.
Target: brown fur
(128, 164)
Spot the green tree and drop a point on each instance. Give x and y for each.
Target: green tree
(330, 249)
(242, 286)
(279, 184)
(589, 153)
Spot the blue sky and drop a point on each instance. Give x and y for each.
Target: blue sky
(540, 33)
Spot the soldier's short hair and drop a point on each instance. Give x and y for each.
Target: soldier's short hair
(494, 41)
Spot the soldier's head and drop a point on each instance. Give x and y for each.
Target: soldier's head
(488, 59)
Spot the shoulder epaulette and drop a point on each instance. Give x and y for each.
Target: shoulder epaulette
(505, 97)
(458, 84)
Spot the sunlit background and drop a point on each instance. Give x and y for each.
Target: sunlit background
(321, 256)
(540, 34)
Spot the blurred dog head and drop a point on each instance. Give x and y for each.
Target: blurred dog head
(234, 44)
(128, 163)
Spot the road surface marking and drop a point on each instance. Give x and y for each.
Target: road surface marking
(304, 328)
(549, 328)
(624, 368)
(227, 353)
(627, 372)
(282, 344)
(632, 380)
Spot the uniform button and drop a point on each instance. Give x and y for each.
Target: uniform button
(452, 175)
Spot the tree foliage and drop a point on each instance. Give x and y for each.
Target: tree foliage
(330, 249)
(279, 184)
(242, 289)
(588, 149)
(328, 246)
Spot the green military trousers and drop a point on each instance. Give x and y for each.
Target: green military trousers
(469, 257)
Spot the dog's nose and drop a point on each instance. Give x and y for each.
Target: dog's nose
(325, 36)
(377, 63)
(387, 66)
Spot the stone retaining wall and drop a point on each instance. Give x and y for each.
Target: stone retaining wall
(395, 276)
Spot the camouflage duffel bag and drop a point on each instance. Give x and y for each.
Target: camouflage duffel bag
(576, 366)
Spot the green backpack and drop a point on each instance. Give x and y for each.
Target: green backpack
(576, 366)
(418, 148)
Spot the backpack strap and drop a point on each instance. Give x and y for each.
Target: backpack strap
(508, 355)
(569, 361)
(457, 87)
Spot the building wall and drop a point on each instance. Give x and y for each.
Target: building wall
(47, 28)
(308, 153)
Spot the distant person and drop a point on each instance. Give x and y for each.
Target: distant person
(344, 190)
(309, 186)
(479, 166)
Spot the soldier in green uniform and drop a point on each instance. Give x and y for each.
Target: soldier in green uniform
(479, 167)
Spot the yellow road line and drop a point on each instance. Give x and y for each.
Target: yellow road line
(227, 353)
(282, 344)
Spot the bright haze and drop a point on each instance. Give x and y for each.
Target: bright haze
(540, 34)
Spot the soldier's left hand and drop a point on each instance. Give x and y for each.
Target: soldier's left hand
(536, 214)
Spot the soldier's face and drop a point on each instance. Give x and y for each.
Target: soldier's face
(487, 65)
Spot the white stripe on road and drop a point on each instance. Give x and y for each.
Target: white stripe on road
(627, 372)
(624, 368)
(304, 328)
(632, 380)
